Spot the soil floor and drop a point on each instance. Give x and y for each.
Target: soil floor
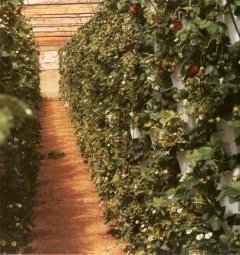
(68, 218)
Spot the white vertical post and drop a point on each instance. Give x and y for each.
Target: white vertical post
(230, 134)
(135, 132)
(232, 33)
(181, 108)
(183, 162)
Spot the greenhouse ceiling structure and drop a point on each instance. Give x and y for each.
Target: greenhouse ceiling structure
(56, 21)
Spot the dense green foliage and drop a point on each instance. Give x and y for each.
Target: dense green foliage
(19, 127)
(117, 77)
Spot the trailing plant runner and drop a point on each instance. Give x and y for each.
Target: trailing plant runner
(117, 80)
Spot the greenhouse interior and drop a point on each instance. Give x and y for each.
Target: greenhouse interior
(120, 127)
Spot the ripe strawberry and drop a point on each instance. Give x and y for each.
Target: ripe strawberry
(133, 8)
(178, 26)
(194, 70)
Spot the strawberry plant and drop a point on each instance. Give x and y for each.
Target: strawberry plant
(117, 78)
(19, 127)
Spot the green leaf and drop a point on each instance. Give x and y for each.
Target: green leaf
(224, 239)
(115, 177)
(6, 122)
(216, 139)
(164, 247)
(158, 202)
(5, 54)
(166, 116)
(234, 123)
(11, 109)
(15, 66)
(232, 191)
(203, 153)
(140, 253)
(215, 223)
(148, 124)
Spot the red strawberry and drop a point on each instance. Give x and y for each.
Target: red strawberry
(178, 26)
(194, 70)
(133, 8)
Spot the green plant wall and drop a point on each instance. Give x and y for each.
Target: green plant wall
(117, 81)
(19, 127)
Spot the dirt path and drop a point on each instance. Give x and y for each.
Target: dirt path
(68, 217)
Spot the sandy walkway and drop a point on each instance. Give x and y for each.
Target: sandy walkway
(68, 217)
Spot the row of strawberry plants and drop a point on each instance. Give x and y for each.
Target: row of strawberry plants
(19, 126)
(117, 77)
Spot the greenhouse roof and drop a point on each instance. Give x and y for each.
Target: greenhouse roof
(56, 21)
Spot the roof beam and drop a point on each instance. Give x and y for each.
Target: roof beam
(51, 41)
(59, 11)
(73, 16)
(53, 36)
(59, 22)
(62, 4)
(54, 33)
(58, 25)
(55, 28)
(26, 2)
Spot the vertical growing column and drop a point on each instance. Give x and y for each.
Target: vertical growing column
(181, 108)
(230, 133)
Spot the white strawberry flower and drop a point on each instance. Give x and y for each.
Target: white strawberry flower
(3, 242)
(208, 235)
(14, 244)
(29, 112)
(183, 178)
(199, 237)
(180, 210)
